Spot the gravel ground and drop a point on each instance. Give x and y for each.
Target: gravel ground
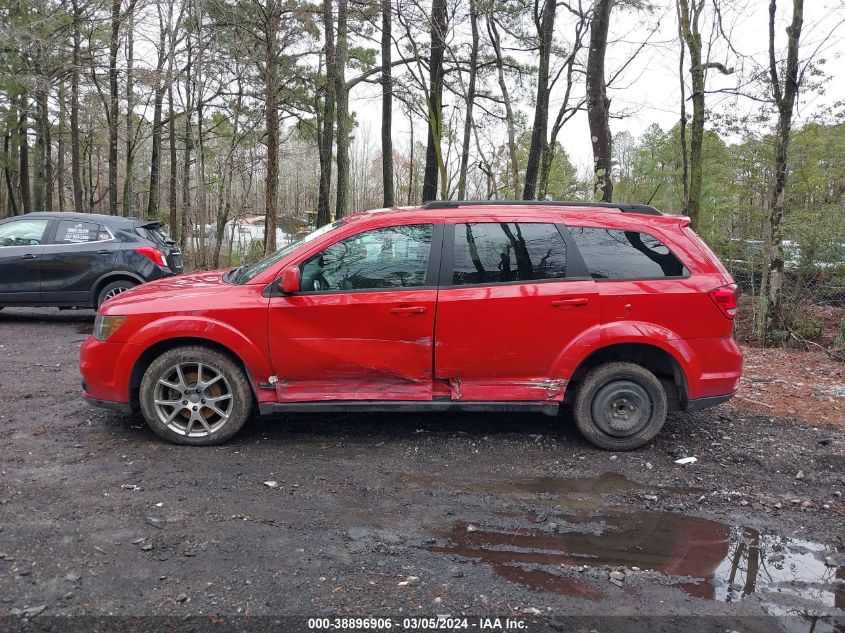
(403, 514)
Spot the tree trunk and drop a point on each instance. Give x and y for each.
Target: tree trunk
(433, 152)
(598, 105)
(327, 133)
(389, 198)
(201, 197)
(171, 124)
(130, 106)
(470, 100)
(271, 110)
(342, 97)
(75, 140)
(509, 115)
(185, 223)
(545, 31)
(683, 122)
(42, 123)
(60, 147)
(784, 98)
(112, 121)
(689, 28)
(23, 170)
(158, 104)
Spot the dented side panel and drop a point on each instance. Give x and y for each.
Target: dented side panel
(353, 346)
(502, 342)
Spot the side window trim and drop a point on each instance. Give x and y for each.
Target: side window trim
(431, 274)
(574, 261)
(576, 266)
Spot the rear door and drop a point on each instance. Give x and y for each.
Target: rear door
(512, 297)
(362, 326)
(21, 247)
(78, 253)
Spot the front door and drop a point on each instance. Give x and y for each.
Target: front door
(362, 326)
(513, 296)
(21, 247)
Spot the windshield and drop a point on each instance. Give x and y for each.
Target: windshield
(247, 273)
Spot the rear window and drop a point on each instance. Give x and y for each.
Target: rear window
(154, 233)
(500, 252)
(614, 254)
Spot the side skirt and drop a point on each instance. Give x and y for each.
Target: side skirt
(410, 406)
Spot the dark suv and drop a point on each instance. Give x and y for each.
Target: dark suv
(80, 259)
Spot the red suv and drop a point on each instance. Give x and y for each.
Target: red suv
(617, 309)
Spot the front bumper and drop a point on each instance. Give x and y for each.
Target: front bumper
(122, 407)
(106, 370)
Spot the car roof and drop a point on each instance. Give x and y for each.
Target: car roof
(112, 220)
(532, 210)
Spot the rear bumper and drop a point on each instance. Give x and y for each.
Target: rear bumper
(705, 403)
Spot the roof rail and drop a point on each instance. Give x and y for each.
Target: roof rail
(645, 209)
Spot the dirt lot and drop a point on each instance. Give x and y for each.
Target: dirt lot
(413, 514)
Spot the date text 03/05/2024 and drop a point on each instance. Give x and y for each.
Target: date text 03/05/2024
(418, 623)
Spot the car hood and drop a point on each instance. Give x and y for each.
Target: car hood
(167, 292)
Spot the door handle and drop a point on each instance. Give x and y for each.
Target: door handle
(30, 256)
(103, 251)
(409, 310)
(575, 301)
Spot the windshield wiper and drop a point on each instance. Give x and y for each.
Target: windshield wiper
(232, 276)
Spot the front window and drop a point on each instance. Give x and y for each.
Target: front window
(248, 273)
(392, 257)
(29, 232)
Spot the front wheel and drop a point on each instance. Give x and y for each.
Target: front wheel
(620, 406)
(195, 395)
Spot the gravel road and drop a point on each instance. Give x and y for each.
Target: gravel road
(403, 515)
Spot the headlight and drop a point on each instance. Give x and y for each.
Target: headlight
(105, 326)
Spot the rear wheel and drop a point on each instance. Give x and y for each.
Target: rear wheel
(113, 289)
(195, 395)
(620, 406)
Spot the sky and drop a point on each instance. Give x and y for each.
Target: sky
(647, 91)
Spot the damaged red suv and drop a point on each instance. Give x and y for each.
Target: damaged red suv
(462, 306)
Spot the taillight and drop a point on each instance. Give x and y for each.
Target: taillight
(725, 299)
(153, 254)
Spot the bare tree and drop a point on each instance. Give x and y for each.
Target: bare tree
(784, 92)
(598, 105)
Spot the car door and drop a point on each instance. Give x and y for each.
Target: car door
(78, 254)
(362, 325)
(513, 296)
(21, 246)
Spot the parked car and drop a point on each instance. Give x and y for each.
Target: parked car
(80, 259)
(618, 309)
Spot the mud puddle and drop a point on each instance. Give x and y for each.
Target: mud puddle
(572, 550)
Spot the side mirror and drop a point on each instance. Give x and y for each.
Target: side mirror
(290, 280)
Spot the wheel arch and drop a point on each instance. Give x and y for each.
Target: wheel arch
(157, 349)
(659, 360)
(116, 275)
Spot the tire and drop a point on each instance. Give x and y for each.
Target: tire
(192, 418)
(620, 406)
(113, 289)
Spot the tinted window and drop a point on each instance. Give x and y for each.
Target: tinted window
(22, 232)
(154, 233)
(493, 252)
(70, 232)
(394, 257)
(612, 254)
